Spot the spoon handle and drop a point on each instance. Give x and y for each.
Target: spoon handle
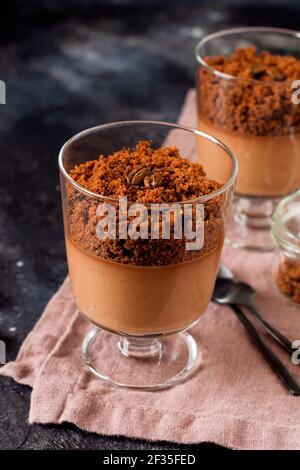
(273, 360)
(279, 337)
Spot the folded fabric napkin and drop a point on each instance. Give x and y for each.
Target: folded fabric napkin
(234, 399)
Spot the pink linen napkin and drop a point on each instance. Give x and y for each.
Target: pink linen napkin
(234, 399)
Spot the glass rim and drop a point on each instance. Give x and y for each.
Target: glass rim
(229, 183)
(247, 29)
(278, 228)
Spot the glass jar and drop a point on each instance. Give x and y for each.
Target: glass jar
(286, 236)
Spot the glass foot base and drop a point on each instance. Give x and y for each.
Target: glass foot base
(140, 363)
(250, 223)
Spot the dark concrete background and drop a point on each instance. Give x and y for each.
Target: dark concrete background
(69, 66)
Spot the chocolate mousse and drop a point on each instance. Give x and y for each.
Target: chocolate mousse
(245, 100)
(141, 286)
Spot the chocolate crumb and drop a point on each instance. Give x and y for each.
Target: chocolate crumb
(256, 100)
(288, 279)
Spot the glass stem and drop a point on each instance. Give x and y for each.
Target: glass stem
(140, 347)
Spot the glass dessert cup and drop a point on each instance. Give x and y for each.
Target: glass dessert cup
(141, 313)
(259, 123)
(286, 236)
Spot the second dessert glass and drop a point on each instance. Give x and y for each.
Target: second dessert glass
(258, 121)
(286, 236)
(141, 313)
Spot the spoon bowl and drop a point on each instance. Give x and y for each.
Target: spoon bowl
(229, 290)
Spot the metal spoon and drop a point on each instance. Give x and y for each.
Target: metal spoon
(229, 290)
(272, 359)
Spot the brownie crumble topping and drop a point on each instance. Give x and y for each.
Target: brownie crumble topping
(145, 175)
(112, 176)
